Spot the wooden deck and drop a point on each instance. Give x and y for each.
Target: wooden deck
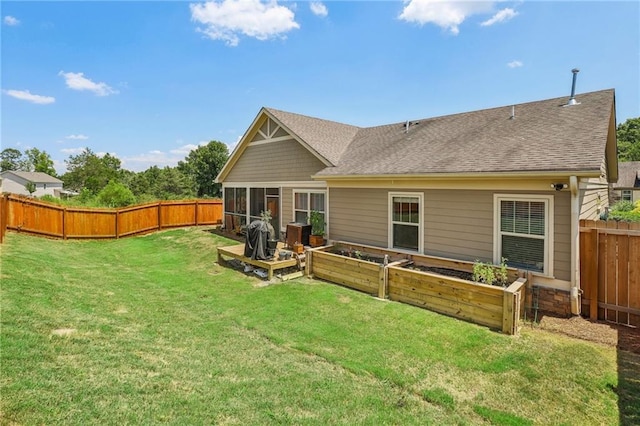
(237, 252)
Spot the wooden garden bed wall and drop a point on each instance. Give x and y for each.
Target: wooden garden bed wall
(35, 217)
(358, 274)
(493, 306)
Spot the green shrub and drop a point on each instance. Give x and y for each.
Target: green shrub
(627, 216)
(51, 199)
(622, 206)
(116, 194)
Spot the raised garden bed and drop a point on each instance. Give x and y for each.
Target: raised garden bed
(422, 281)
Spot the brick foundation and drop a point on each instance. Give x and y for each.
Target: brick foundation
(549, 300)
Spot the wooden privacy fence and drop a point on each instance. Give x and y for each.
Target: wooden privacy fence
(35, 217)
(610, 271)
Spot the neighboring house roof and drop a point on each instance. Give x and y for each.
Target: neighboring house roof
(35, 177)
(629, 175)
(542, 136)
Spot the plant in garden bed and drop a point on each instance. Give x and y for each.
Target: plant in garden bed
(487, 273)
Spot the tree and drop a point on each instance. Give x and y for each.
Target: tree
(161, 184)
(628, 134)
(39, 161)
(91, 172)
(11, 159)
(115, 194)
(30, 187)
(203, 165)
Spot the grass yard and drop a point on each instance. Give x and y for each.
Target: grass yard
(151, 330)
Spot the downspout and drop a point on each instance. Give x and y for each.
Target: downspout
(575, 245)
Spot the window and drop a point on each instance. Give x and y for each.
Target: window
(626, 195)
(306, 201)
(256, 195)
(405, 217)
(235, 207)
(524, 234)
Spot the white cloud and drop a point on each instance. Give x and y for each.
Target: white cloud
(186, 149)
(502, 16)
(25, 95)
(77, 81)
(72, 151)
(79, 137)
(225, 20)
(515, 64)
(11, 21)
(445, 14)
(318, 9)
(141, 162)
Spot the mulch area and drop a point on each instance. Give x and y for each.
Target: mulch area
(623, 337)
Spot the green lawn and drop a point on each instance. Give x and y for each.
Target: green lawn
(151, 330)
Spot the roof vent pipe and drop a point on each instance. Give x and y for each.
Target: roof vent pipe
(572, 99)
(406, 127)
(513, 112)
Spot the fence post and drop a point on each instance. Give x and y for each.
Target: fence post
(382, 282)
(64, 223)
(593, 278)
(159, 215)
(117, 223)
(3, 216)
(196, 212)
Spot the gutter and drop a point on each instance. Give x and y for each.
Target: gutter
(463, 175)
(575, 245)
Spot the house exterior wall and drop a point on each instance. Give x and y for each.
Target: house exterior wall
(275, 161)
(616, 195)
(594, 198)
(457, 223)
(15, 185)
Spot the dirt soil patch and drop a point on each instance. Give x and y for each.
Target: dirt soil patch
(463, 275)
(624, 338)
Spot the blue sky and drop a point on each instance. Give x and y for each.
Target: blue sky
(149, 81)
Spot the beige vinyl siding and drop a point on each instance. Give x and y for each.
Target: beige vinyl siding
(562, 235)
(457, 223)
(359, 215)
(278, 161)
(286, 203)
(594, 198)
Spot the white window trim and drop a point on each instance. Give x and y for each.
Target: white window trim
(309, 192)
(627, 192)
(548, 227)
(420, 196)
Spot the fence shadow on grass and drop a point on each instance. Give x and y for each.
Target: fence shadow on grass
(628, 352)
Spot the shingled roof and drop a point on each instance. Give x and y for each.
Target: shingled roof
(327, 138)
(629, 175)
(542, 136)
(35, 177)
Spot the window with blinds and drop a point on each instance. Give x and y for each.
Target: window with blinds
(405, 222)
(523, 233)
